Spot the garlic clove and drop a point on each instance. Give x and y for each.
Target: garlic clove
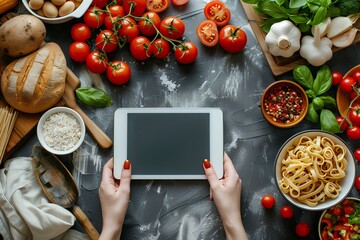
(345, 39)
(338, 26)
(323, 27)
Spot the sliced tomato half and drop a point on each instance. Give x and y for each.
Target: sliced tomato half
(157, 5)
(179, 2)
(218, 12)
(208, 33)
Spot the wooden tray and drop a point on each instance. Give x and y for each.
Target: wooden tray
(278, 65)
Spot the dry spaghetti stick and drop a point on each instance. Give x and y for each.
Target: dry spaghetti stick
(8, 118)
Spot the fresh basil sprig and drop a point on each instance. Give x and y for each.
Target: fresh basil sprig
(93, 97)
(315, 90)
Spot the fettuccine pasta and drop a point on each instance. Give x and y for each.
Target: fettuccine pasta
(312, 170)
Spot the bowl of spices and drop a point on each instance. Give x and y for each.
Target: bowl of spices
(284, 104)
(61, 130)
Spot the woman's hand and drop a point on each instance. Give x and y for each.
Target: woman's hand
(114, 197)
(226, 194)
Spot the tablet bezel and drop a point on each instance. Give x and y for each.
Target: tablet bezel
(216, 140)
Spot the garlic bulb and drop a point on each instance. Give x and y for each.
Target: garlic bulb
(283, 39)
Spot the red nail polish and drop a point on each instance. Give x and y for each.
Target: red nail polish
(127, 164)
(207, 164)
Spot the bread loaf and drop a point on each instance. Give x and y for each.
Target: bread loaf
(36, 82)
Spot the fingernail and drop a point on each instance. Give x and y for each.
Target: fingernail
(207, 164)
(127, 164)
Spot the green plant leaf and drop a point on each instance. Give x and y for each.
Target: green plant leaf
(310, 93)
(312, 115)
(328, 121)
(319, 16)
(323, 80)
(303, 76)
(297, 3)
(280, 2)
(298, 19)
(329, 102)
(251, 1)
(318, 103)
(273, 9)
(93, 97)
(267, 23)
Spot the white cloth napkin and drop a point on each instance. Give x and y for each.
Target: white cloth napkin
(25, 212)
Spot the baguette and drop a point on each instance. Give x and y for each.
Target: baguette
(36, 82)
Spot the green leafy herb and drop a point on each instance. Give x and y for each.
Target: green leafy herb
(93, 97)
(312, 115)
(323, 81)
(318, 103)
(328, 121)
(329, 102)
(303, 76)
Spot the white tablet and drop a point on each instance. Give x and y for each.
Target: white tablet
(168, 143)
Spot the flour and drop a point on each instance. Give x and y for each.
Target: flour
(171, 86)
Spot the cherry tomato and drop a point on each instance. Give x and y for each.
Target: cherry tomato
(342, 123)
(128, 30)
(148, 23)
(179, 2)
(347, 83)
(96, 62)
(186, 53)
(78, 51)
(352, 95)
(94, 17)
(80, 32)
(118, 72)
(172, 27)
(353, 132)
(356, 76)
(286, 212)
(357, 183)
(111, 17)
(106, 41)
(349, 209)
(208, 33)
(346, 202)
(357, 154)
(336, 78)
(140, 48)
(267, 201)
(138, 9)
(157, 6)
(160, 48)
(302, 229)
(218, 12)
(354, 115)
(337, 211)
(100, 3)
(232, 39)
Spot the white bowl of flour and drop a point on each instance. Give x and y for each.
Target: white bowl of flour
(61, 130)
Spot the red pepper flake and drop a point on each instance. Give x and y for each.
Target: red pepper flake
(283, 104)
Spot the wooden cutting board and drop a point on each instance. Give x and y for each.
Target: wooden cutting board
(278, 65)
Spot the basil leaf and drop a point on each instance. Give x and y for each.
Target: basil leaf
(323, 80)
(333, 12)
(312, 115)
(297, 3)
(310, 93)
(319, 16)
(325, 3)
(313, 6)
(304, 27)
(303, 76)
(298, 19)
(329, 101)
(267, 23)
(280, 2)
(251, 1)
(272, 9)
(93, 97)
(328, 121)
(318, 103)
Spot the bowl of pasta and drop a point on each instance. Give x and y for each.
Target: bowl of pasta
(314, 170)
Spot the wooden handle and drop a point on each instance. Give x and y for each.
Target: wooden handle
(72, 79)
(100, 137)
(85, 223)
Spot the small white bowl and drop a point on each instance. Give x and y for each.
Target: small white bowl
(46, 115)
(77, 13)
(346, 183)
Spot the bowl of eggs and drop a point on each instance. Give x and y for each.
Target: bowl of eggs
(57, 11)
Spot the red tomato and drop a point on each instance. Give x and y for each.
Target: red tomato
(100, 3)
(336, 78)
(208, 33)
(172, 27)
(179, 2)
(357, 183)
(118, 72)
(80, 32)
(186, 53)
(267, 201)
(352, 95)
(78, 51)
(356, 76)
(354, 115)
(342, 123)
(111, 17)
(302, 229)
(96, 62)
(337, 211)
(346, 202)
(232, 39)
(128, 30)
(149, 22)
(106, 41)
(140, 48)
(357, 154)
(286, 212)
(349, 209)
(94, 17)
(157, 6)
(347, 83)
(218, 12)
(138, 9)
(160, 48)
(353, 132)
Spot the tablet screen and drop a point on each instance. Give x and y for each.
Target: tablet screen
(168, 143)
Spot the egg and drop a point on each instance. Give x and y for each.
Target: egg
(66, 8)
(36, 4)
(50, 10)
(58, 2)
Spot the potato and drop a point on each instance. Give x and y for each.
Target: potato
(21, 35)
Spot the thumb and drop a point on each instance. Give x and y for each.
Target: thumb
(210, 173)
